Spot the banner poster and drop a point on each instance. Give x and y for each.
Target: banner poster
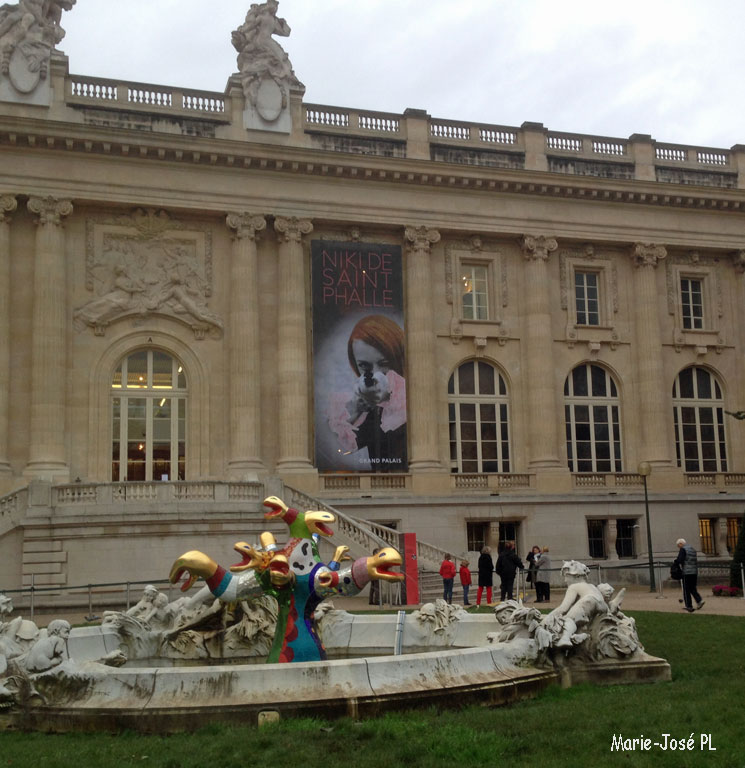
(358, 357)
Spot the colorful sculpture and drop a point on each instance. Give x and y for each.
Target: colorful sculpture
(293, 574)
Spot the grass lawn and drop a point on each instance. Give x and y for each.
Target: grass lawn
(572, 728)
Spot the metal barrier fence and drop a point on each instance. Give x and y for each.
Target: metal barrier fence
(96, 598)
(93, 597)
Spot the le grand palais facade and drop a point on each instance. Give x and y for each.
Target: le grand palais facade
(471, 332)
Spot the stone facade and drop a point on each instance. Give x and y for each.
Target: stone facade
(148, 224)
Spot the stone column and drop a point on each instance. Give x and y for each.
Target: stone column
(543, 414)
(612, 536)
(8, 204)
(243, 346)
(293, 379)
(421, 386)
(653, 392)
(47, 459)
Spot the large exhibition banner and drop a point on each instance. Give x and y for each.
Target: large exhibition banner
(358, 357)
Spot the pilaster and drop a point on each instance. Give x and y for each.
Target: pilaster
(47, 458)
(8, 204)
(652, 388)
(543, 415)
(420, 350)
(243, 346)
(293, 377)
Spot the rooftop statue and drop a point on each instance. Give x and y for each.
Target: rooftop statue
(29, 31)
(264, 66)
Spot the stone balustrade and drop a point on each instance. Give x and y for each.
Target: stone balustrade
(417, 135)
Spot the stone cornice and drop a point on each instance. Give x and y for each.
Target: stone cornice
(22, 134)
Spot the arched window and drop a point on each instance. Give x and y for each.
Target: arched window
(479, 423)
(148, 408)
(591, 413)
(698, 411)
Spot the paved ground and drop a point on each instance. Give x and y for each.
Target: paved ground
(635, 599)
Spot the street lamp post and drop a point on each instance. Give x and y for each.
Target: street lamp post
(645, 470)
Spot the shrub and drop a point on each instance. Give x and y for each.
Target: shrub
(722, 590)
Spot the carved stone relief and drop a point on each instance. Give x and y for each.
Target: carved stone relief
(147, 264)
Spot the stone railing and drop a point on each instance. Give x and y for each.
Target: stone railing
(712, 479)
(11, 506)
(417, 135)
(610, 480)
(367, 535)
(81, 494)
(489, 482)
(366, 482)
(144, 97)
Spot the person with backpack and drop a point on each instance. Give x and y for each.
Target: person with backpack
(508, 563)
(687, 559)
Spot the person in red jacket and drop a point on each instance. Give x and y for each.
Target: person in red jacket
(464, 573)
(447, 571)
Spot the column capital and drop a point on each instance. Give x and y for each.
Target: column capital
(8, 204)
(538, 247)
(291, 229)
(738, 261)
(648, 254)
(245, 225)
(421, 238)
(49, 209)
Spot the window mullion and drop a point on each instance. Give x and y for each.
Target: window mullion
(149, 434)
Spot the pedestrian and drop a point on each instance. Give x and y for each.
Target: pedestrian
(508, 563)
(534, 553)
(543, 577)
(464, 574)
(486, 575)
(688, 561)
(447, 571)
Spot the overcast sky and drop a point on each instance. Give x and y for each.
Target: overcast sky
(670, 68)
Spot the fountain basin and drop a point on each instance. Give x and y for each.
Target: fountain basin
(82, 694)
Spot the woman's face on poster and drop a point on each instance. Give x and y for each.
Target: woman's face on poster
(369, 359)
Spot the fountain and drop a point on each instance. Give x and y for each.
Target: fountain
(159, 664)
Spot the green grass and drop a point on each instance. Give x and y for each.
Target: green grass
(570, 728)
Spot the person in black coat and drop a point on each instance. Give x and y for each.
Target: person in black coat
(486, 575)
(507, 564)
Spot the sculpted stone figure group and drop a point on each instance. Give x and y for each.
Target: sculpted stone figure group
(587, 625)
(29, 31)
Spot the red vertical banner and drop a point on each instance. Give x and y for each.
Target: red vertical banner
(410, 569)
(358, 357)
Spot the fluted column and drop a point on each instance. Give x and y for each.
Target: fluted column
(243, 345)
(421, 386)
(293, 378)
(543, 416)
(8, 204)
(652, 389)
(48, 343)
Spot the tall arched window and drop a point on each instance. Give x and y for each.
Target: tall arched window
(698, 411)
(591, 412)
(148, 408)
(479, 422)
